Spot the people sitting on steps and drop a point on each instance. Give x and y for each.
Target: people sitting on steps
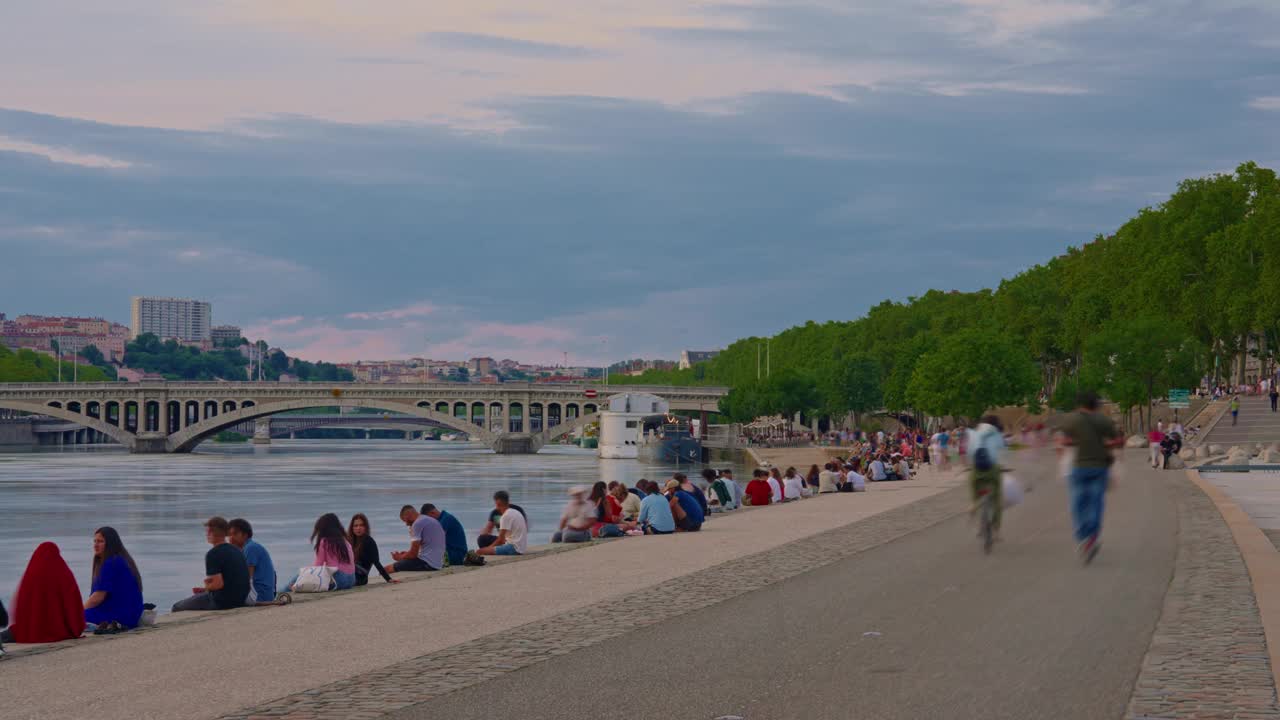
(426, 544)
(226, 573)
(513, 528)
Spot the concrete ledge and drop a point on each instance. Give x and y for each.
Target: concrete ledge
(1260, 558)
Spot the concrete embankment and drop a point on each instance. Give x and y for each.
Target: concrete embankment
(261, 654)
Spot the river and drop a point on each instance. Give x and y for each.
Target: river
(158, 503)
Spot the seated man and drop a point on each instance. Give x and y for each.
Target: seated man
(426, 545)
(262, 573)
(655, 512)
(685, 508)
(578, 517)
(828, 479)
(878, 470)
(455, 537)
(719, 495)
(758, 491)
(226, 581)
(513, 530)
(854, 480)
(500, 500)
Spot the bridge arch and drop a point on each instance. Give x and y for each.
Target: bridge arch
(186, 439)
(120, 435)
(566, 428)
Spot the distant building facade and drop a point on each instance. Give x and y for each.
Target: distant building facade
(178, 318)
(689, 358)
(481, 365)
(225, 334)
(71, 335)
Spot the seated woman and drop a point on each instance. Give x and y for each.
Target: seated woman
(46, 605)
(333, 550)
(115, 600)
(629, 501)
(608, 513)
(365, 549)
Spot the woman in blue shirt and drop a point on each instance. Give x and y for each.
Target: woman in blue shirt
(117, 587)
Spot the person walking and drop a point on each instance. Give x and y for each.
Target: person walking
(1235, 408)
(1092, 434)
(1275, 395)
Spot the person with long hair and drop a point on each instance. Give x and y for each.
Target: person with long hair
(360, 535)
(116, 593)
(46, 605)
(813, 479)
(608, 512)
(332, 550)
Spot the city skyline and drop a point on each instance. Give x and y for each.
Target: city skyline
(606, 180)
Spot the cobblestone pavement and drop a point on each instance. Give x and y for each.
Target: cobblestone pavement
(1208, 656)
(372, 695)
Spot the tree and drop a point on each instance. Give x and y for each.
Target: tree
(855, 386)
(93, 355)
(971, 371)
(1136, 360)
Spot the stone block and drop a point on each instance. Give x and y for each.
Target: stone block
(1187, 454)
(1175, 463)
(1215, 449)
(1202, 452)
(1136, 441)
(1269, 456)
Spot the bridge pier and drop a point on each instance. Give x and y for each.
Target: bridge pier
(514, 444)
(150, 443)
(262, 431)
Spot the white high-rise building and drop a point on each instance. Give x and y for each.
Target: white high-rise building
(178, 318)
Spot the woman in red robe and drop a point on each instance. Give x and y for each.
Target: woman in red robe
(47, 605)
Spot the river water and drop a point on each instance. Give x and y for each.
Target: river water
(158, 503)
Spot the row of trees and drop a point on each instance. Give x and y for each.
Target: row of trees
(1183, 290)
(176, 361)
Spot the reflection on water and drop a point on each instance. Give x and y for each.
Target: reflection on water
(158, 502)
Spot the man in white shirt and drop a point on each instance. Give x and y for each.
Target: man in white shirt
(828, 480)
(877, 470)
(513, 531)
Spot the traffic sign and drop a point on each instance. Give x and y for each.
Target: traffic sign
(1180, 399)
(590, 393)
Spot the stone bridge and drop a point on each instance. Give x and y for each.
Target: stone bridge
(174, 417)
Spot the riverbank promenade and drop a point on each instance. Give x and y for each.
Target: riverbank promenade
(869, 605)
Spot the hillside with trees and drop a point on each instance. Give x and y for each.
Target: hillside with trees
(1182, 290)
(30, 366)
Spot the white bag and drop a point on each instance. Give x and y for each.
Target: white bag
(318, 578)
(1010, 490)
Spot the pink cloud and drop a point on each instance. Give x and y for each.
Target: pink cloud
(422, 309)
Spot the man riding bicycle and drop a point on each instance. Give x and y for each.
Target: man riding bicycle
(986, 446)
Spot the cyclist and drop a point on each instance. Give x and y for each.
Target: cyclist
(985, 449)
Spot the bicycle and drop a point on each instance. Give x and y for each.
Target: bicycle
(986, 519)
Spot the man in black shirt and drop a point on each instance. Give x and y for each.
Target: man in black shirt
(226, 582)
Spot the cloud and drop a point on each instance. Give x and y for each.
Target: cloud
(416, 310)
(62, 155)
(508, 46)
(1265, 103)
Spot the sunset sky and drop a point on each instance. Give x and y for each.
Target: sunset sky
(399, 178)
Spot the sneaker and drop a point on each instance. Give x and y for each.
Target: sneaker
(1089, 549)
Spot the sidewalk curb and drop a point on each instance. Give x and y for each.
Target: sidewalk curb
(1261, 560)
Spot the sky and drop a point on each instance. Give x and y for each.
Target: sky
(595, 178)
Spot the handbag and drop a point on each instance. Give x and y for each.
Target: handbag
(317, 578)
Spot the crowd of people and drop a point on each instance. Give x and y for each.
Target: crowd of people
(239, 571)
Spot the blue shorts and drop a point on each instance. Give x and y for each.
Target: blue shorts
(507, 549)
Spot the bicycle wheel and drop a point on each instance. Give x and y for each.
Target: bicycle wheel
(988, 532)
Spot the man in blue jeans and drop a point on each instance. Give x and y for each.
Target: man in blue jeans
(1092, 434)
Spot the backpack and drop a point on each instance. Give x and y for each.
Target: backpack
(982, 460)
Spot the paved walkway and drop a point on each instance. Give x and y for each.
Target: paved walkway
(924, 626)
(262, 654)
